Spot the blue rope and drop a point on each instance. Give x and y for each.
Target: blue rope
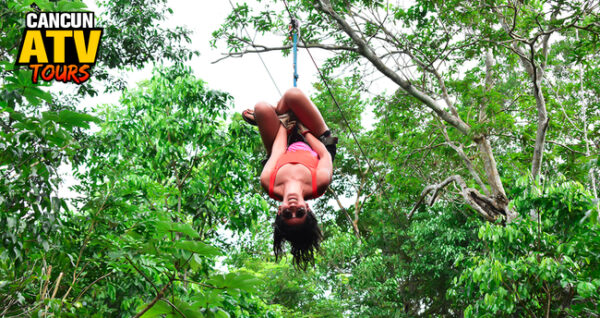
(295, 58)
(294, 37)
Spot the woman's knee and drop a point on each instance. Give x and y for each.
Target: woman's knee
(294, 95)
(262, 109)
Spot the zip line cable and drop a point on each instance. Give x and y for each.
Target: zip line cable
(335, 101)
(259, 56)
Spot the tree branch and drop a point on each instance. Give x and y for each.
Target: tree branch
(142, 273)
(566, 147)
(337, 199)
(262, 48)
(90, 285)
(369, 54)
(175, 307)
(159, 295)
(483, 205)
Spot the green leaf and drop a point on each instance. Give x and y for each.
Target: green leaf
(166, 226)
(50, 116)
(238, 280)
(160, 308)
(70, 6)
(198, 247)
(220, 313)
(186, 309)
(77, 119)
(34, 95)
(185, 229)
(585, 289)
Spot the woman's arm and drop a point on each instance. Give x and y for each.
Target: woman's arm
(325, 166)
(278, 149)
(316, 145)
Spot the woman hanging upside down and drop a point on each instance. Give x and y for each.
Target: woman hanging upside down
(300, 152)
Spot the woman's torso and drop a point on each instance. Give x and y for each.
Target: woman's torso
(299, 163)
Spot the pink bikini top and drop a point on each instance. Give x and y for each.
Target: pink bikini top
(297, 154)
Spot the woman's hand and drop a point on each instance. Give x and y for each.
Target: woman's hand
(302, 129)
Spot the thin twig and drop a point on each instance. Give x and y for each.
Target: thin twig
(141, 273)
(159, 295)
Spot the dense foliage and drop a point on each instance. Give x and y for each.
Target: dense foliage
(169, 219)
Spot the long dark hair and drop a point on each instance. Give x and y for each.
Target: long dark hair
(304, 239)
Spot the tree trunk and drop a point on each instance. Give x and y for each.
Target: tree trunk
(542, 127)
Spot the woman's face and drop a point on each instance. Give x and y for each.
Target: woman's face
(293, 210)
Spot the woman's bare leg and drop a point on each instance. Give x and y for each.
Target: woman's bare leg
(295, 100)
(268, 124)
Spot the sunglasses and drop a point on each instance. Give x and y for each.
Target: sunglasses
(287, 213)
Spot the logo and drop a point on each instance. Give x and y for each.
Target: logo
(60, 46)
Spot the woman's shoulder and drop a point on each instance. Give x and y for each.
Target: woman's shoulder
(265, 177)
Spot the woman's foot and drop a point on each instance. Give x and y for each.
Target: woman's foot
(248, 116)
